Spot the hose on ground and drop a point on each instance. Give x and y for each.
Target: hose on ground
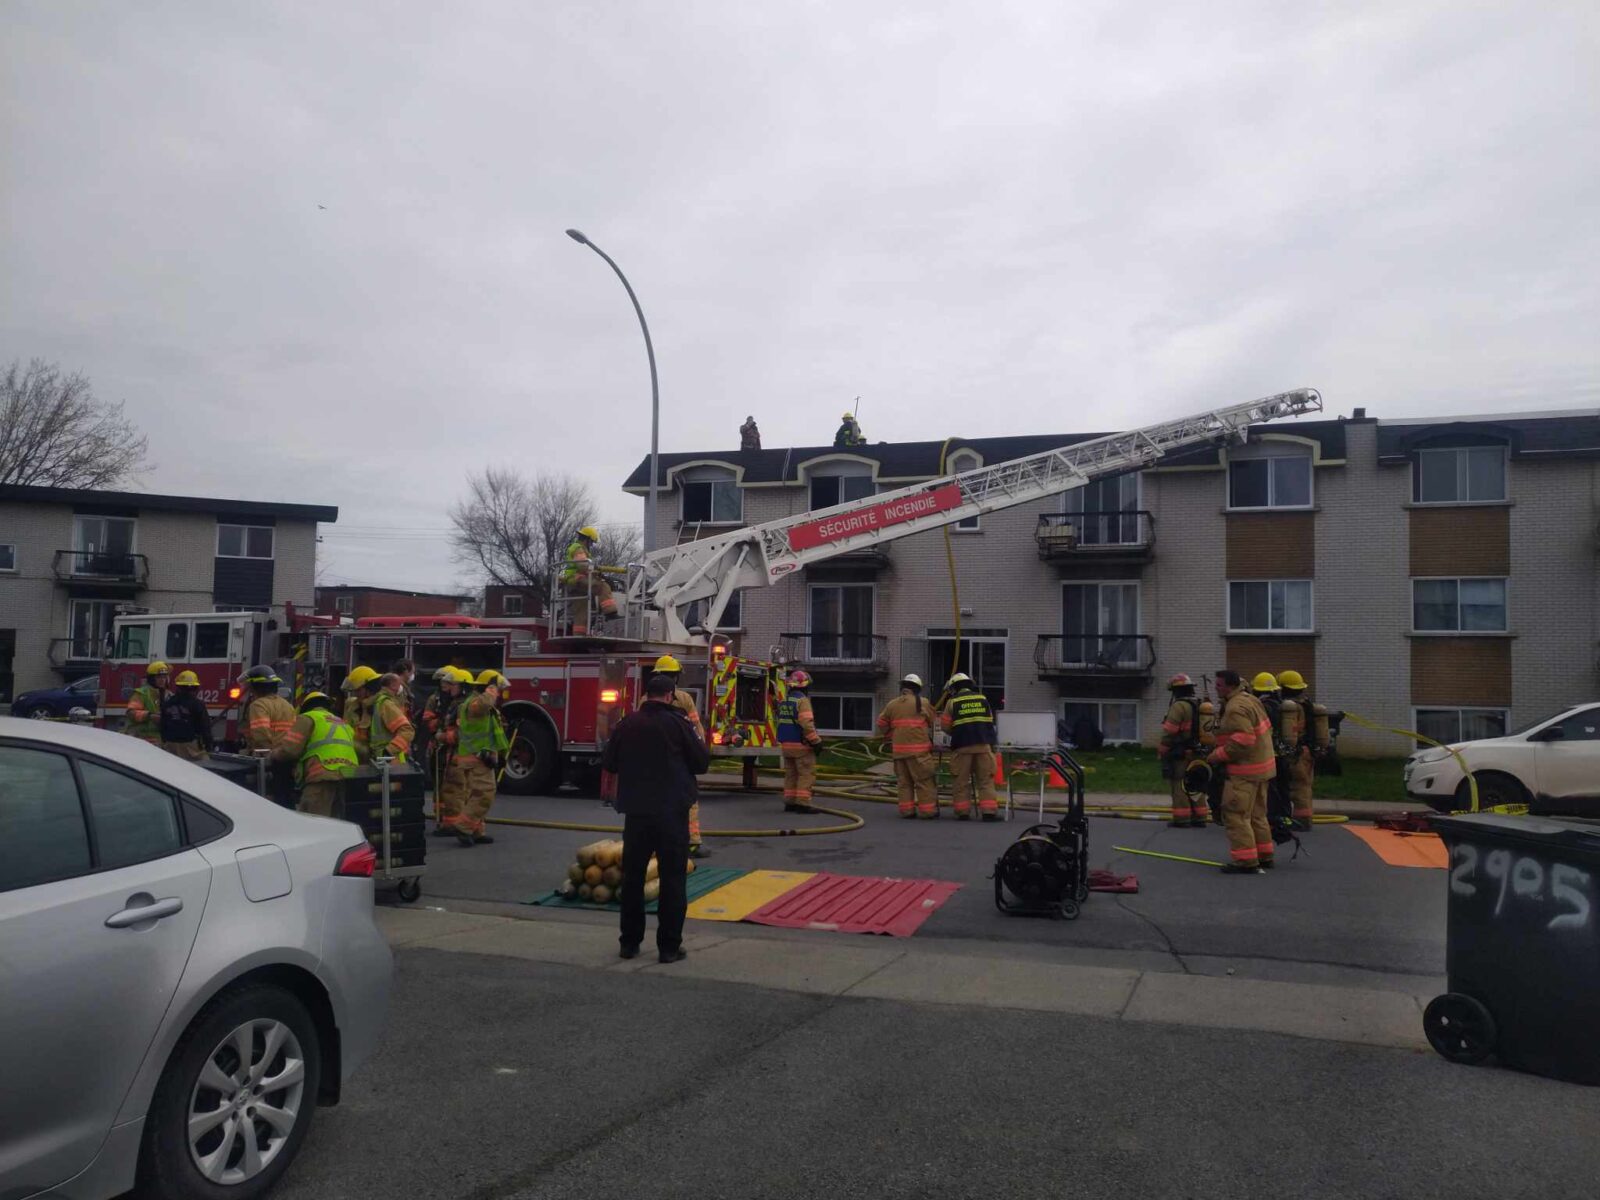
(852, 823)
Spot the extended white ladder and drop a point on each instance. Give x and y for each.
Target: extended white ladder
(671, 579)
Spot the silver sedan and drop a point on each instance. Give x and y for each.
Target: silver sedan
(186, 971)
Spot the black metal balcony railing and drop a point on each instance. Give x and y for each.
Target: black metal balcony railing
(100, 566)
(77, 651)
(1124, 533)
(863, 652)
(1094, 654)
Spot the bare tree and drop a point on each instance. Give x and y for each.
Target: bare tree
(511, 529)
(621, 544)
(55, 433)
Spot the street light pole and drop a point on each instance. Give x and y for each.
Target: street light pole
(655, 393)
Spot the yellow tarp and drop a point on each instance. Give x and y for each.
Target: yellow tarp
(1404, 849)
(737, 900)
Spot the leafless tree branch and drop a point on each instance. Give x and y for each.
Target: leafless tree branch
(54, 432)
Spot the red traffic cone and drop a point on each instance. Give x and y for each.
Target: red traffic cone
(1000, 770)
(1055, 781)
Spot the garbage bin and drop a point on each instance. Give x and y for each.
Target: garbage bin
(1522, 945)
(242, 769)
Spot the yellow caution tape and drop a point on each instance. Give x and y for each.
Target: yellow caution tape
(1514, 810)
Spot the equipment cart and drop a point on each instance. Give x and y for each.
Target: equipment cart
(386, 800)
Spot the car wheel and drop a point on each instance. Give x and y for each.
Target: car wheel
(236, 1099)
(38, 713)
(532, 763)
(1494, 788)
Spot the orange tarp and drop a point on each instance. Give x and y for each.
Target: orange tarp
(1404, 849)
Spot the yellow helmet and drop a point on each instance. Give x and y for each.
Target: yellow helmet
(1264, 682)
(360, 677)
(849, 416)
(489, 675)
(186, 679)
(1292, 680)
(315, 700)
(158, 668)
(590, 532)
(667, 665)
(461, 674)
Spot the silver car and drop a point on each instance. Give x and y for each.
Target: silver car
(186, 971)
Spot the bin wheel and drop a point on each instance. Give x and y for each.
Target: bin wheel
(1459, 1027)
(1069, 910)
(410, 889)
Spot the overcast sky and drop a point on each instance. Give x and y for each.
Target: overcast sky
(317, 248)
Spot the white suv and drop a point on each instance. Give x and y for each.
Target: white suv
(1552, 765)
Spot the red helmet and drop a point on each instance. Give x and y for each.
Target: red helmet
(799, 679)
(1180, 681)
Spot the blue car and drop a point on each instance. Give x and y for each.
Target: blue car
(57, 702)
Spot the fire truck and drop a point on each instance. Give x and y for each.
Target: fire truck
(568, 690)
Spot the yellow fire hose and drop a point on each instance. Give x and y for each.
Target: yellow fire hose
(853, 822)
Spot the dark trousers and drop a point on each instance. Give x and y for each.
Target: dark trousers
(667, 837)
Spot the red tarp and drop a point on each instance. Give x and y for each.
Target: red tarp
(856, 904)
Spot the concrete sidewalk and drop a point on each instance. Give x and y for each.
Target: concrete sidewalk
(882, 969)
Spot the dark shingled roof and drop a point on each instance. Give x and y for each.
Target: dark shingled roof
(20, 494)
(1560, 435)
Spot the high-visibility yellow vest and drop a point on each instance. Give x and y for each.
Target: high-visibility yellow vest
(148, 729)
(971, 720)
(332, 746)
(477, 734)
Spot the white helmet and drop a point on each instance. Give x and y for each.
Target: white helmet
(914, 680)
(959, 677)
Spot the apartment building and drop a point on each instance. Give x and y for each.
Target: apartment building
(71, 559)
(357, 600)
(1437, 575)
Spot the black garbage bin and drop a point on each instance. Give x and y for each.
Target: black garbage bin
(242, 769)
(1523, 945)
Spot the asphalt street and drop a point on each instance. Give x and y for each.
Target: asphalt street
(501, 1078)
(1337, 913)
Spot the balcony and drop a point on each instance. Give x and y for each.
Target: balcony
(101, 567)
(79, 654)
(1125, 536)
(838, 653)
(1103, 656)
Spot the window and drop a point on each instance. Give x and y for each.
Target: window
(104, 545)
(8, 556)
(843, 714)
(133, 642)
(841, 622)
(511, 605)
(732, 614)
(1269, 475)
(1449, 725)
(133, 822)
(345, 606)
(1106, 512)
(982, 655)
(240, 608)
(1458, 605)
(90, 623)
(1269, 605)
(87, 686)
(210, 640)
(244, 541)
(1582, 727)
(43, 835)
(1459, 475)
(828, 490)
(957, 464)
(711, 496)
(1114, 720)
(1100, 624)
(177, 641)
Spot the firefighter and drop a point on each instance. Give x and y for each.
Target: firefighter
(1312, 743)
(969, 721)
(684, 703)
(185, 721)
(907, 722)
(798, 742)
(267, 715)
(430, 734)
(356, 712)
(1284, 717)
(849, 433)
(1180, 741)
(480, 747)
(1244, 747)
(452, 786)
(389, 732)
(144, 706)
(322, 748)
(580, 581)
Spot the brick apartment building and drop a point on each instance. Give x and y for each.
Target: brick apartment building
(358, 600)
(1437, 575)
(512, 601)
(71, 558)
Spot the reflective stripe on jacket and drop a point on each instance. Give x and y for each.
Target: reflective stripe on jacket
(329, 751)
(1244, 739)
(478, 728)
(389, 732)
(572, 572)
(969, 721)
(144, 714)
(1178, 732)
(267, 720)
(797, 726)
(908, 722)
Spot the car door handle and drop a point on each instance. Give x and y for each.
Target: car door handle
(147, 911)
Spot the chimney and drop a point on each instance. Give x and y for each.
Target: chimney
(1360, 414)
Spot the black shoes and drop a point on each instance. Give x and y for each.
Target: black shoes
(1241, 869)
(699, 852)
(1200, 824)
(790, 806)
(464, 838)
(1267, 864)
(994, 816)
(628, 952)
(482, 839)
(672, 956)
(443, 831)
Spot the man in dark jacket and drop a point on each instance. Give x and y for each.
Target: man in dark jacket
(655, 756)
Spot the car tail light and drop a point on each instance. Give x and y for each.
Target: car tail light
(358, 862)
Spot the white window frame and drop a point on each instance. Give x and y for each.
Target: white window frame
(506, 601)
(244, 541)
(1268, 450)
(872, 704)
(235, 633)
(12, 569)
(1461, 478)
(72, 607)
(1136, 632)
(1461, 710)
(344, 606)
(1458, 580)
(1227, 606)
(695, 610)
(80, 549)
(709, 475)
(872, 625)
(965, 460)
(1099, 702)
(837, 473)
